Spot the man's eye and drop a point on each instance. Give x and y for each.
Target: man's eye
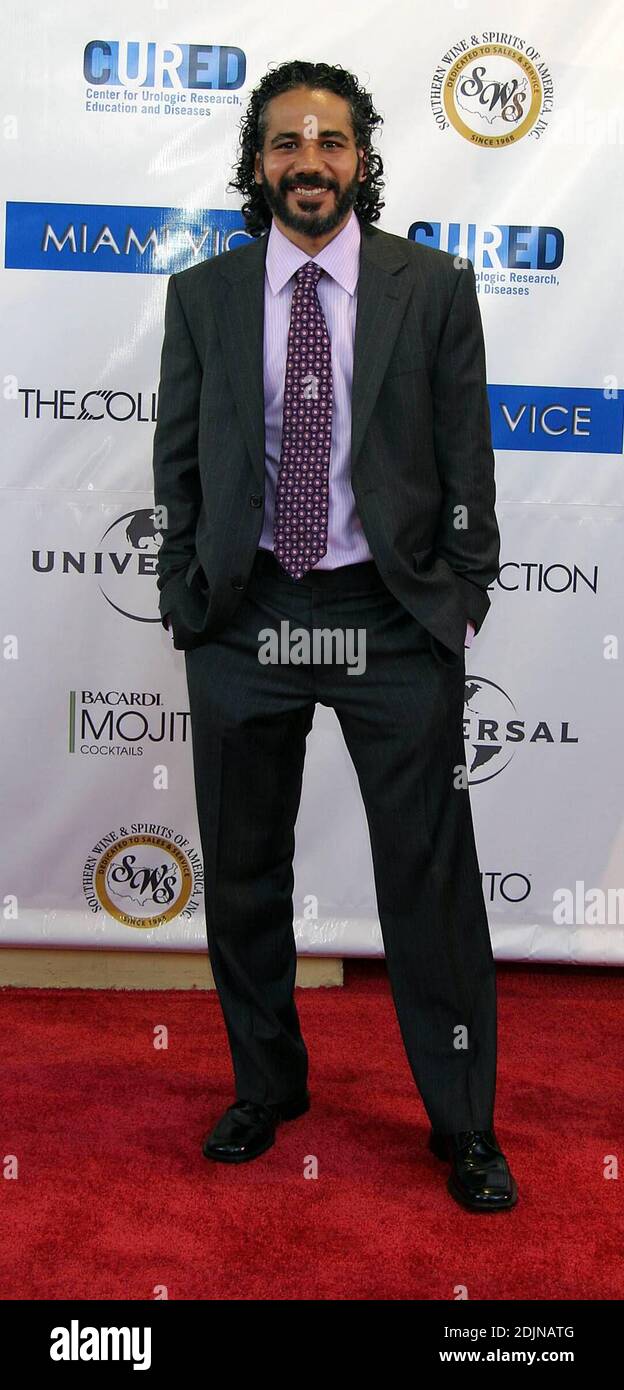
(283, 145)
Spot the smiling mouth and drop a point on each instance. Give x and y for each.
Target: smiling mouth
(301, 192)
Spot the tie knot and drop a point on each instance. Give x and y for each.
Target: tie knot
(309, 274)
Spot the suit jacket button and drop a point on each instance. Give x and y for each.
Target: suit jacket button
(237, 582)
(256, 501)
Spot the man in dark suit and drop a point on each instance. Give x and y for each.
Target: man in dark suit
(323, 457)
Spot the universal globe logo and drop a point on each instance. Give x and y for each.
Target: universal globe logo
(493, 90)
(490, 730)
(124, 564)
(493, 729)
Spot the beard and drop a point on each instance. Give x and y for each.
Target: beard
(311, 223)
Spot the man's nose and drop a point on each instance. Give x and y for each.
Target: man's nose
(311, 167)
(309, 160)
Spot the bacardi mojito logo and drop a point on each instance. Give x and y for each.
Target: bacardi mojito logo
(493, 89)
(143, 876)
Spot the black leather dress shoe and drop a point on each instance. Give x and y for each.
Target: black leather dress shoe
(480, 1178)
(248, 1128)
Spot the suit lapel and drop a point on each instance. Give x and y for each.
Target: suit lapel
(240, 322)
(382, 297)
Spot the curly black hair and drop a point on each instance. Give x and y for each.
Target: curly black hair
(364, 119)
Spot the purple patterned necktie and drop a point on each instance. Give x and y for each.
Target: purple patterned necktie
(302, 493)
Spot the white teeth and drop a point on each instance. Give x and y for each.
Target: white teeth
(309, 192)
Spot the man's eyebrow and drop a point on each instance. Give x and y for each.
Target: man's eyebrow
(294, 135)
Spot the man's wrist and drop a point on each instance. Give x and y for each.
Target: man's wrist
(470, 632)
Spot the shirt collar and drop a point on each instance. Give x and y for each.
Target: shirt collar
(340, 258)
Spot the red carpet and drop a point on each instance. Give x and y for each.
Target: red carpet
(114, 1199)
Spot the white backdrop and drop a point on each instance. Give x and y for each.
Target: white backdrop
(114, 176)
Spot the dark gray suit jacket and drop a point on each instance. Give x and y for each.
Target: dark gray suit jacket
(421, 452)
